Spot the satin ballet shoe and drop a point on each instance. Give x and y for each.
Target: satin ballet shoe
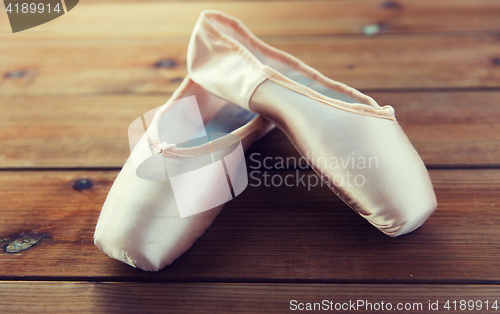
(356, 146)
(175, 183)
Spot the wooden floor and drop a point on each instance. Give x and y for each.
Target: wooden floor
(70, 88)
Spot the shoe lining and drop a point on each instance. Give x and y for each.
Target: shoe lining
(283, 68)
(219, 116)
(226, 120)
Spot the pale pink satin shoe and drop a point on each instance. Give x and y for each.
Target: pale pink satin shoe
(353, 144)
(175, 182)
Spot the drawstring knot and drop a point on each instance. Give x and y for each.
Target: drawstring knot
(163, 147)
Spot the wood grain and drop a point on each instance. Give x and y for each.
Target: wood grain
(69, 131)
(446, 128)
(70, 88)
(46, 66)
(105, 297)
(274, 233)
(98, 19)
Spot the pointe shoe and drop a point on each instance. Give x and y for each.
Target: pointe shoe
(342, 133)
(167, 195)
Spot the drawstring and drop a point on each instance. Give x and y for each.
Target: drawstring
(163, 148)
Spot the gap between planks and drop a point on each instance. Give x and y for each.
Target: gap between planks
(176, 18)
(449, 130)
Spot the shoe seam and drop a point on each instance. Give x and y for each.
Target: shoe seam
(261, 79)
(291, 61)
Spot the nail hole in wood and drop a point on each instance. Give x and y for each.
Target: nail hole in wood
(392, 5)
(81, 184)
(373, 29)
(22, 243)
(176, 80)
(166, 64)
(13, 75)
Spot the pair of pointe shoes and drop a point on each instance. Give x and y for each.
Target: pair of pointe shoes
(142, 222)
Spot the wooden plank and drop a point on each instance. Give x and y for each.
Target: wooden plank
(68, 131)
(43, 66)
(266, 234)
(458, 129)
(86, 297)
(97, 19)
(446, 128)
